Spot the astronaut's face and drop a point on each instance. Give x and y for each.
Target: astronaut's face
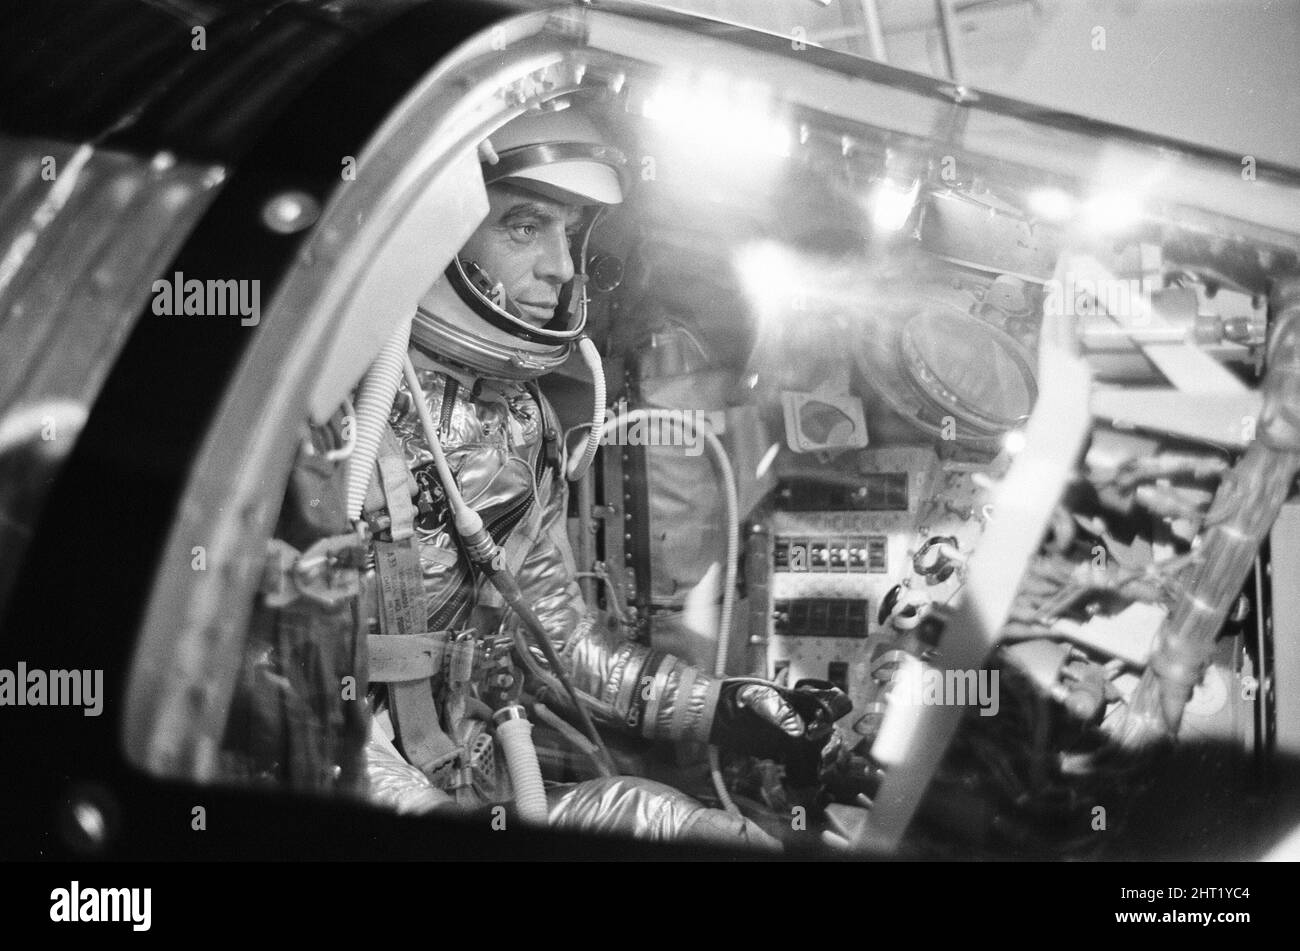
(523, 244)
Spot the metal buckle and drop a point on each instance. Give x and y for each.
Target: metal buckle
(328, 573)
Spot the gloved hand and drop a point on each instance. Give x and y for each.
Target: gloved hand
(660, 697)
(772, 722)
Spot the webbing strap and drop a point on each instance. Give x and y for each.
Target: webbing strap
(399, 655)
(415, 715)
(394, 481)
(390, 449)
(400, 587)
(402, 608)
(404, 657)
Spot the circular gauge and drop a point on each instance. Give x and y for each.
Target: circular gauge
(948, 373)
(968, 369)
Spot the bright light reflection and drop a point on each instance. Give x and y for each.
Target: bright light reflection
(1050, 204)
(719, 123)
(892, 203)
(1112, 211)
(769, 279)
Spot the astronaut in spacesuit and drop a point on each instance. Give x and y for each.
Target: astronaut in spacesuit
(506, 311)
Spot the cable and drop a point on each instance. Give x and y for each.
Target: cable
(720, 787)
(732, 515)
(554, 687)
(614, 596)
(574, 736)
(732, 558)
(578, 467)
(467, 520)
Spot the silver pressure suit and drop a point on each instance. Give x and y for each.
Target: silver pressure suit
(502, 443)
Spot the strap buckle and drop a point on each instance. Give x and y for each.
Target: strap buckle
(328, 573)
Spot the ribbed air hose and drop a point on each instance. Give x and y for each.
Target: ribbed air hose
(374, 403)
(515, 735)
(580, 464)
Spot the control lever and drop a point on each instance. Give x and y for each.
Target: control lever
(938, 558)
(819, 703)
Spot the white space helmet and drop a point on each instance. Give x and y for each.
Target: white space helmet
(562, 156)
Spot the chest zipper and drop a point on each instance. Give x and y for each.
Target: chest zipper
(501, 526)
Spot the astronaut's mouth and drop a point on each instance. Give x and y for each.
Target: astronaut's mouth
(539, 313)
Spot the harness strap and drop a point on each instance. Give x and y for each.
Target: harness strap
(415, 718)
(405, 655)
(397, 658)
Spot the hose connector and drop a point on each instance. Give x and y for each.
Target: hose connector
(511, 711)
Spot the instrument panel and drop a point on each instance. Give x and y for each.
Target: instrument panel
(841, 549)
